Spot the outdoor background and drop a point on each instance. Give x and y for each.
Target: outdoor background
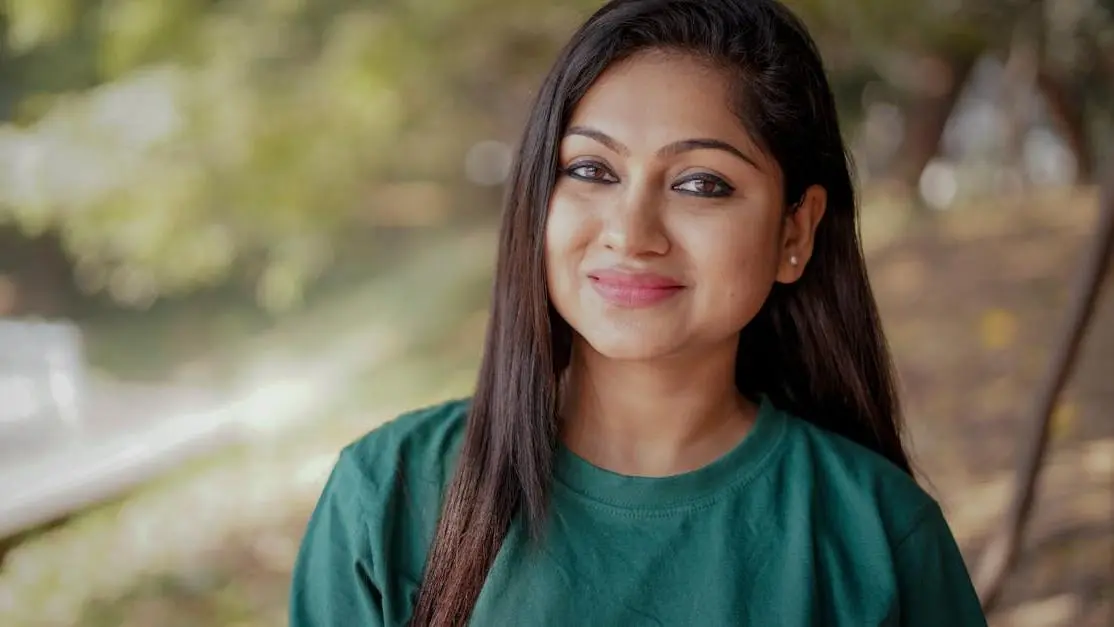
(241, 233)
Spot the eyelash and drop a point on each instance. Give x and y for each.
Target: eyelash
(724, 189)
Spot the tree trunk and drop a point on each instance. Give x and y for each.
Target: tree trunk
(926, 117)
(1065, 106)
(1001, 552)
(38, 272)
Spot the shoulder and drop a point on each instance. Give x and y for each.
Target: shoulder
(364, 545)
(417, 446)
(846, 474)
(386, 487)
(883, 520)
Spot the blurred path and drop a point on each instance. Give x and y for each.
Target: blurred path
(131, 431)
(135, 432)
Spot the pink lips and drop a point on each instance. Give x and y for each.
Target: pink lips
(634, 289)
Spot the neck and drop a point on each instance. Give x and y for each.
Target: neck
(653, 418)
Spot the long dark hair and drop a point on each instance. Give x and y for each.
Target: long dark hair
(816, 348)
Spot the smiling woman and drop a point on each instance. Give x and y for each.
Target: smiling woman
(659, 203)
(685, 413)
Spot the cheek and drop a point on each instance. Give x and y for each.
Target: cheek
(736, 267)
(565, 241)
(567, 235)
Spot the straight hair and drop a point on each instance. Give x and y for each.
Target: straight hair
(815, 349)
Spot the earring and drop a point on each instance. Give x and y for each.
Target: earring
(792, 260)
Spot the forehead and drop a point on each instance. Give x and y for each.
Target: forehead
(656, 97)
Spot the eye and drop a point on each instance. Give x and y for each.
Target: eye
(704, 185)
(590, 171)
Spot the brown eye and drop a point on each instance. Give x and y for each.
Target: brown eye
(704, 185)
(591, 172)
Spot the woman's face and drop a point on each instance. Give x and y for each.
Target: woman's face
(667, 227)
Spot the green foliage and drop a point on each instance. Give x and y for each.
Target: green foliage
(193, 140)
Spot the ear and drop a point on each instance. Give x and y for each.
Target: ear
(798, 234)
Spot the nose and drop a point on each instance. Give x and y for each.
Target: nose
(633, 225)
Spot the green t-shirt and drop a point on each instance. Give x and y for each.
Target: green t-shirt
(796, 526)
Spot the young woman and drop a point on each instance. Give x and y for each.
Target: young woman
(685, 414)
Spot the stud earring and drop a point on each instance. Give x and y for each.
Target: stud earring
(792, 260)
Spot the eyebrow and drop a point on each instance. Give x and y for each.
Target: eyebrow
(670, 150)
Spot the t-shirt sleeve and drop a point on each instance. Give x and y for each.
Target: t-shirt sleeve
(934, 586)
(331, 584)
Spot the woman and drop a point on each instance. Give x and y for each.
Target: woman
(686, 411)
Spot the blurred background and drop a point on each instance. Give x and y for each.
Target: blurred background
(237, 234)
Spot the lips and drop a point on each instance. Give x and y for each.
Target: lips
(634, 289)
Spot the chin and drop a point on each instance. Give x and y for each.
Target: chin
(630, 344)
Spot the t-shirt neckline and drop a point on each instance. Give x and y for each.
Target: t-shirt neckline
(733, 468)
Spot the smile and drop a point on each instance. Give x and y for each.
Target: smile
(627, 289)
